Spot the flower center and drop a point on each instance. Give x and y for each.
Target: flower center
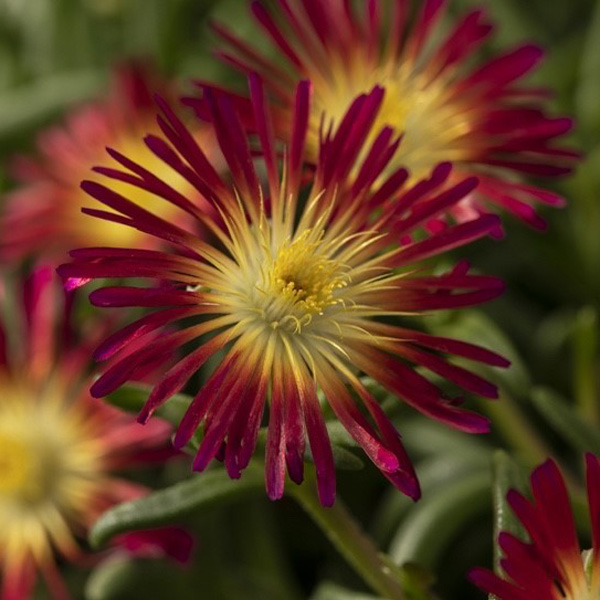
(21, 474)
(433, 127)
(300, 282)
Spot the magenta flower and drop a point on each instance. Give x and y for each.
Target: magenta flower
(296, 291)
(60, 450)
(479, 117)
(551, 566)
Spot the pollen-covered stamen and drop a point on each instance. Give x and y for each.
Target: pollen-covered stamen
(300, 281)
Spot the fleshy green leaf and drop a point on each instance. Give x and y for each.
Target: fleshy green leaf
(565, 420)
(29, 106)
(124, 578)
(587, 389)
(131, 397)
(434, 475)
(436, 519)
(171, 504)
(506, 475)
(589, 80)
(331, 591)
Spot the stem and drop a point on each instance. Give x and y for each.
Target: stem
(524, 439)
(346, 535)
(518, 433)
(585, 370)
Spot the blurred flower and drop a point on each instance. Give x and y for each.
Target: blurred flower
(551, 566)
(59, 449)
(44, 213)
(446, 109)
(297, 292)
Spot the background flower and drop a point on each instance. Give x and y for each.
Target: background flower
(60, 449)
(446, 109)
(551, 565)
(44, 213)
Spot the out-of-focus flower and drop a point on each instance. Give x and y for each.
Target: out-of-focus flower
(297, 292)
(479, 118)
(59, 450)
(551, 566)
(44, 212)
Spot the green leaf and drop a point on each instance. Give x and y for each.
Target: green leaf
(108, 580)
(124, 578)
(29, 106)
(172, 503)
(562, 417)
(428, 438)
(435, 520)
(506, 475)
(435, 473)
(586, 384)
(332, 591)
(589, 80)
(131, 397)
(343, 459)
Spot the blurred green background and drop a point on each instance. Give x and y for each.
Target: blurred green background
(55, 54)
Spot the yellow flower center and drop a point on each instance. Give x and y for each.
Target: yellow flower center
(433, 127)
(300, 282)
(51, 469)
(17, 466)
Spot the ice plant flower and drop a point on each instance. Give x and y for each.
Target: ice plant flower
(44, 211)
(551, 566)
(477, 117)
(297, 291)
(59, 450)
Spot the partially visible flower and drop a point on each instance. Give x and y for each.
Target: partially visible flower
(60, 450)
(551, 565)
(478, 117)
(44, 212)
(301, 293)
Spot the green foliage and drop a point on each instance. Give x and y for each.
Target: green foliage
(173, 503)
(55, 54)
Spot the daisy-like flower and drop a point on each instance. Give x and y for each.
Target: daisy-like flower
(446, 109)
(296, 295)
(44, 212)
(551, 566)
(59, 449)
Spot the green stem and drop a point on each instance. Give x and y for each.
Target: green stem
(508, 418)
(513, 426)
(585, 370)
(346, 535)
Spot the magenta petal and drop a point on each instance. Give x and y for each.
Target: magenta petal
(176, 377)
(216, 429)
(320, 446)
(275, 452)
(492, 584)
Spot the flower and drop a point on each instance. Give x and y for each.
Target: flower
(476, 117)
(551, 565)
(44, 212)
(59, 449)
(297, 292)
